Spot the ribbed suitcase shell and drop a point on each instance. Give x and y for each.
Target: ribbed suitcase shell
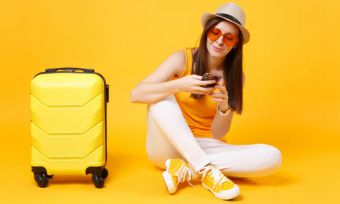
(68, 124)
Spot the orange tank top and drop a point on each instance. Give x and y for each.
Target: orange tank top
(199, 114)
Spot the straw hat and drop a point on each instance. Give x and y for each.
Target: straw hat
(232, 13)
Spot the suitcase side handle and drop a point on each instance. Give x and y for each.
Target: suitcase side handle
(107, 93)
(68, 69)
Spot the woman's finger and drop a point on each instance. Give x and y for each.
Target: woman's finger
(196, 76)
(206, 82)
(221, 88)
(203, 89)
(218, 100)
(218, 95)
(199, 92)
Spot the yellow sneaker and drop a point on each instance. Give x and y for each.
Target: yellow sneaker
(177, 171)
(218, 184)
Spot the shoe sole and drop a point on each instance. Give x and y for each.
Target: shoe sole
(168, 182)
(227, 195)
(168, 179)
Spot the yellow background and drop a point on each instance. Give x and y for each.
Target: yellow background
(291, 94)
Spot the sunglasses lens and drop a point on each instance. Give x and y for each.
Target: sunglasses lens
(230, 39)
(214, 34)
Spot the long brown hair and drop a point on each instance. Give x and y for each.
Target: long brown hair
(232, 67)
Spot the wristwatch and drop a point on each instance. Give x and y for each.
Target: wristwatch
(223, 113)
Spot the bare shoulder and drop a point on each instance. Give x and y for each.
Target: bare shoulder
(178, 58)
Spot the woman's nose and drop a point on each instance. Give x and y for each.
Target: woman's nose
(220, 40)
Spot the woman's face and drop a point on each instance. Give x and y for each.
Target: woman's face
(217, 48)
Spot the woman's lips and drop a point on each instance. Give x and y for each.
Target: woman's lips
(217, 49)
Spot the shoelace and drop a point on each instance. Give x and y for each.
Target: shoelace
(184, 173)
(219, 178)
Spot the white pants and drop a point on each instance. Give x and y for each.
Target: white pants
(169, 136)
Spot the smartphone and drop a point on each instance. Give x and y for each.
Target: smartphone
(209, 76)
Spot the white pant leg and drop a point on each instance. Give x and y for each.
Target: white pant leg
(158, 147)
(167, 127)
(252, 160)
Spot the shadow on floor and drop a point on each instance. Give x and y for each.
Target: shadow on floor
(272, 180)
(115, 164)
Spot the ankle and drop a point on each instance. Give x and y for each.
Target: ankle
(206, 169)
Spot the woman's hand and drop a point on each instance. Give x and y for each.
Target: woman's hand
(221, 98)
(193, 84)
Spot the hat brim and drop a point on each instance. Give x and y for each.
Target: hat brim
(245, 33)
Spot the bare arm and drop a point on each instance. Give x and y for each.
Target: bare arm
(158, 84)
(221, 124)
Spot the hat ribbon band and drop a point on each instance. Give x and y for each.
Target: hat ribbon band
(232, 18)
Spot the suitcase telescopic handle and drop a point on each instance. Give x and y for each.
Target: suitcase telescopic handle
(69, 69)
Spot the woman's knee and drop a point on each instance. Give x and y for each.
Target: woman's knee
(270, 159)
(163, 104)
(260, 160)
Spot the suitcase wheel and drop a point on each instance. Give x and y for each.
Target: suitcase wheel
(41, 178)
(99, 176)
(98, 180)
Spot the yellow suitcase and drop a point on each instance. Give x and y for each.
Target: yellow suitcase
(68, 124)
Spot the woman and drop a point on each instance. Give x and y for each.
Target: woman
(188, 116)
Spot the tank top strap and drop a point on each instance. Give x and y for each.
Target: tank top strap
(188, 63)
(188, 59)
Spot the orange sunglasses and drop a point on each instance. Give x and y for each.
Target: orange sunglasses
(229, 39)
